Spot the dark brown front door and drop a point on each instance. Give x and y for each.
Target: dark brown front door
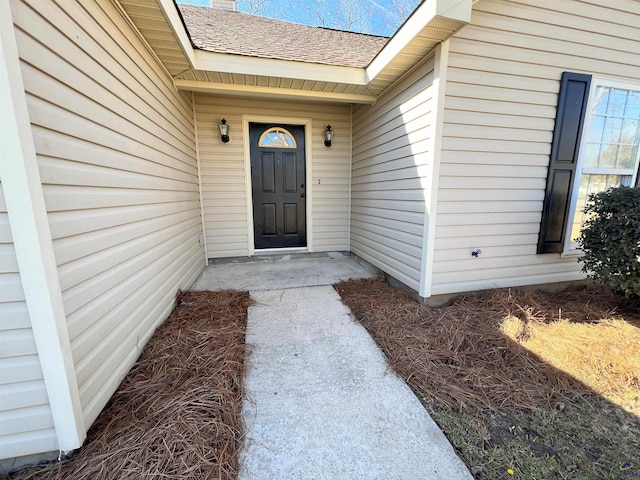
(278, 185)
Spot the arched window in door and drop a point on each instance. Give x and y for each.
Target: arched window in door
(277, 137)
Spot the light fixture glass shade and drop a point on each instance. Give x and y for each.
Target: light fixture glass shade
(328, 136)
(224, 131)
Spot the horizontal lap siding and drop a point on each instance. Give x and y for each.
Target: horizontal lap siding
(26, 424)
(116, 152)
(223, 172)
(501, 94)
(390, 159)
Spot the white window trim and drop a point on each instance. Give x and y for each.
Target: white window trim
(595, 83)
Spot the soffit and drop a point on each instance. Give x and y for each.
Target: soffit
(150, 20)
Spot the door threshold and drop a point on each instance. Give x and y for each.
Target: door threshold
(280, 251)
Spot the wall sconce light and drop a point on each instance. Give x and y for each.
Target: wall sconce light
(328, 136)
(224, 131)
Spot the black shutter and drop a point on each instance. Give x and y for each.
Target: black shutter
(572, 106)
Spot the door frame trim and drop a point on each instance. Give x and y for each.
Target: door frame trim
(307, 123)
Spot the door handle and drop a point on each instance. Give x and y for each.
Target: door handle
(302, 195)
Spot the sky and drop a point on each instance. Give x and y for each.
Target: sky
(376, 17)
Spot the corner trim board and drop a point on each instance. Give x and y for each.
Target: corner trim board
(33, 244)
(198, 163)
(441, 66)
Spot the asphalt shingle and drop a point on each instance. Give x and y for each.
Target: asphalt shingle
(225, 31)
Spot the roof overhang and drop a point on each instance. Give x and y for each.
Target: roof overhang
(432, 22)
(161, 25)
(169, 10)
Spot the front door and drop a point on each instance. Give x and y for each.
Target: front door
(278, 185)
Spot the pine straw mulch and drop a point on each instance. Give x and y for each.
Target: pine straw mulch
(479, 351)
(177, 414)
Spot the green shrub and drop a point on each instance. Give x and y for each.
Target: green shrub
(610, 239)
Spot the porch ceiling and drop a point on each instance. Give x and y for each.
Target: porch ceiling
(198, 70)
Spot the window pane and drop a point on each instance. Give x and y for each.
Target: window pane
(590, 184)
(608, 156)
(630, 128)
(633, 105)
(612, 129)
(277, 137)
(627, 156)
(601, 100)
(596, 128)
(617, 102)
(591, 155)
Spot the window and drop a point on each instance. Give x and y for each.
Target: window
(595, 146)
(609, 150)
(277, 137)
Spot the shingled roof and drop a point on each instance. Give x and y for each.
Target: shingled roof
(225, 31)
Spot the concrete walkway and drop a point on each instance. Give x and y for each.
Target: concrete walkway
(320, 400)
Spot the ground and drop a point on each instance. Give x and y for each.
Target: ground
(177, 413)
(525, 384)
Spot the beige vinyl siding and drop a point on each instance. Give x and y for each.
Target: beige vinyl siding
(116, 152)
(501, 94)
(26, 424)
(391, 142)
(223, 171)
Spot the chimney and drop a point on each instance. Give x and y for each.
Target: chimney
(224, 5)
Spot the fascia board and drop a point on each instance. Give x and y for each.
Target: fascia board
(239, 64)
(459, 10)
(171, 14)
(271, 92)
